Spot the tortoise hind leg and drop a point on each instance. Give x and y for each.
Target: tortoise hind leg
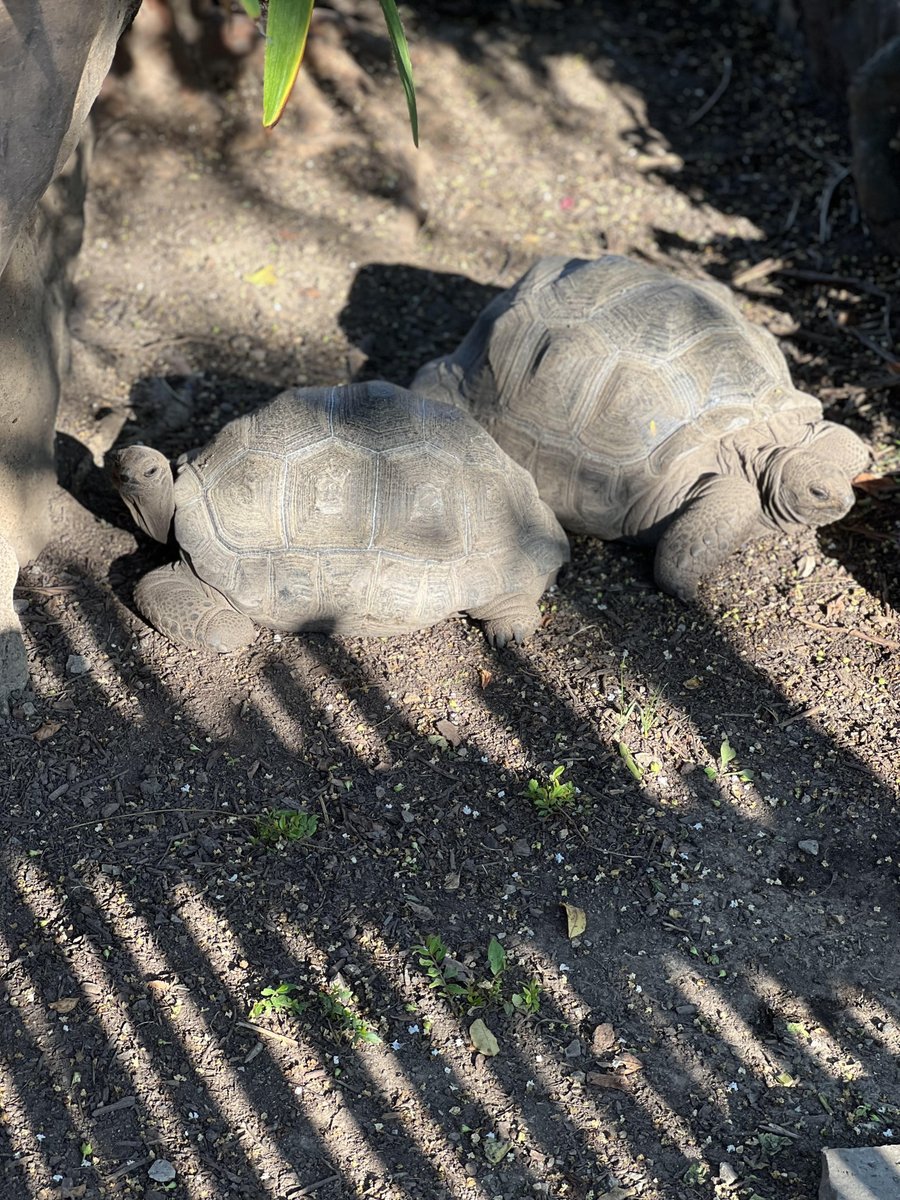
(512, 617)
(184, 610)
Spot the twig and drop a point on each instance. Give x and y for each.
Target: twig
(866, 637)
(760, 270)
(270, 1033)
(847, 281)
(837, 178)
(313, 1187)
(872, 345)
(716, 96)
(155, 812)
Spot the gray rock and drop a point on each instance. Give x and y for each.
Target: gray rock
(870, 1173)
(809, 846)
(727, 1174)
(77, 664)
(573, 1050)
(162, 1171)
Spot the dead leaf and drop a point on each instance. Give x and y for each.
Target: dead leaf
(264, 277)
(46, 730)
(693, 683)
(485, 676)
(603, 1080)
(482, 1039)
(876, 485)
(603, 1039)
(494, 1151)
(451, 881)
(576, 920)
(627, 1063)
(157, 987)
(450, 731)
(64, 1005)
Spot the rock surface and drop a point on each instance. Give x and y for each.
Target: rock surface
(870, 1173)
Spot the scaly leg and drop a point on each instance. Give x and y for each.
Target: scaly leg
(512, 617)
(721, 516)
(187, 612)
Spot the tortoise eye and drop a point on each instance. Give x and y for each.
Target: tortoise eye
(150, 472)
(819, 492)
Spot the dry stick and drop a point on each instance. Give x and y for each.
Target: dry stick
(874, 346)
(716, 96)
(838, 176)
(155, 812)
(835, 280)
(866, 637)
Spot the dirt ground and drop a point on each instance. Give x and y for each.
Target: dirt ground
(731, 1005)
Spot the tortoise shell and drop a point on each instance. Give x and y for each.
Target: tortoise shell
(335, 508)
(600, 377)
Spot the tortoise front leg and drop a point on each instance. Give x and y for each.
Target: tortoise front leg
(722, 515)
(187, 612)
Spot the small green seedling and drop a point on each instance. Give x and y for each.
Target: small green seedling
(286, 825)
(554, 795)
(280, 999)
(452, 983)
(444, 974)
(526, 999)
(727, 756)
(628, 759)
(336, 1001)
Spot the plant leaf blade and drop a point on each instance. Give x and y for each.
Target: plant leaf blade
(287, 28)
(402, 59)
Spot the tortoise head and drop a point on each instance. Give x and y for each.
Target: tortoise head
(143, 478)
(811, 483)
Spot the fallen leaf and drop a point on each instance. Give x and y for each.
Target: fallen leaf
(46, 730)
(576, 920)
(450, 731)
(627, 1063)
(603, 1038)
(157, 987)
(482, 1039)
(604, 1080)
(264, 277)
(64, 1005)
(494, 1151)
(693, 683)
(485, 677)
(451, 881)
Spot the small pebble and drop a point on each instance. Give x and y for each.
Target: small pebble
(686, 1010)
(162, 1171)
(808, 846)
(77, 664)
(727, 1174)
(573, 1050)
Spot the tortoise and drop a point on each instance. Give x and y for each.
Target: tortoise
(648, 409)
(360, 510)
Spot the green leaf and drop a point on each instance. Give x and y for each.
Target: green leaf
(404, 66)
(727, 753)
(287, 27)
(496, 957)
(482, 1039)
(251, 8)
